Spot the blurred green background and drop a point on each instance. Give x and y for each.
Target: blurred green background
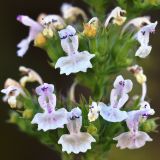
(18, 146)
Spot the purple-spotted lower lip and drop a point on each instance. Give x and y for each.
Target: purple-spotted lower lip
(19, 18)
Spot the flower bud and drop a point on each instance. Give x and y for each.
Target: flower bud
(141, 78)
(13, 117)
(92, 129)
(138, 73)
(27, 114)
(149, 125)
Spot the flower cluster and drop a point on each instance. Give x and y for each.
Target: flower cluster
(101, 50)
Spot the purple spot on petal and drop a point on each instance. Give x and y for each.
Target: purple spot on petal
(44, 89)
(122, 83)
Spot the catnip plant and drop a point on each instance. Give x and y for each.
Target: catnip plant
(100, 51)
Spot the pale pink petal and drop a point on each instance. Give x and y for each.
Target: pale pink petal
(132, 141)
(51, 121)
(76, 143)
(112, 114)
(76, 63)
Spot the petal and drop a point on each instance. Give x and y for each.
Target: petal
(76, 143)
(145, 106)
(48, 102)
(64, 7)
(150, 27)
(137, 22)
(35, 28)
(74, 121)
(75, 112)
(116, 100)
(23, 47)
(78, 62)
(51, 121)
(132, 141)
(69, 40)
(27, 21)
(12, 89)
(12, 101)
(143, 34)
(143, 51)
(118, 79)
(112, 114)
(115, 13)
(53, 21)
(124, 140)
(92, 116)
(141, 139)
(45, 89)
(70, 45)
(128, 86)
(122, 101)
(71, 30)
(71, 13)
(93, 112)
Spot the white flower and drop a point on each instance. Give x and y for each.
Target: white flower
(75, 141)
(11, 94)
(53, 21)
(134, 138)
(118, 97)
(51, 118)
(117, 14)
(71, 13)
(137, 22)
(51, 24)
(93, 112)
(143, 38)
(35, 28)
(75, 61)
(30, 76)
(140, 77)
(138, 73)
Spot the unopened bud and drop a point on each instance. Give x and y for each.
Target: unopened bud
(149, 125)
(92, 129)
(27, 114)
(141, 78)
(13, 117)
